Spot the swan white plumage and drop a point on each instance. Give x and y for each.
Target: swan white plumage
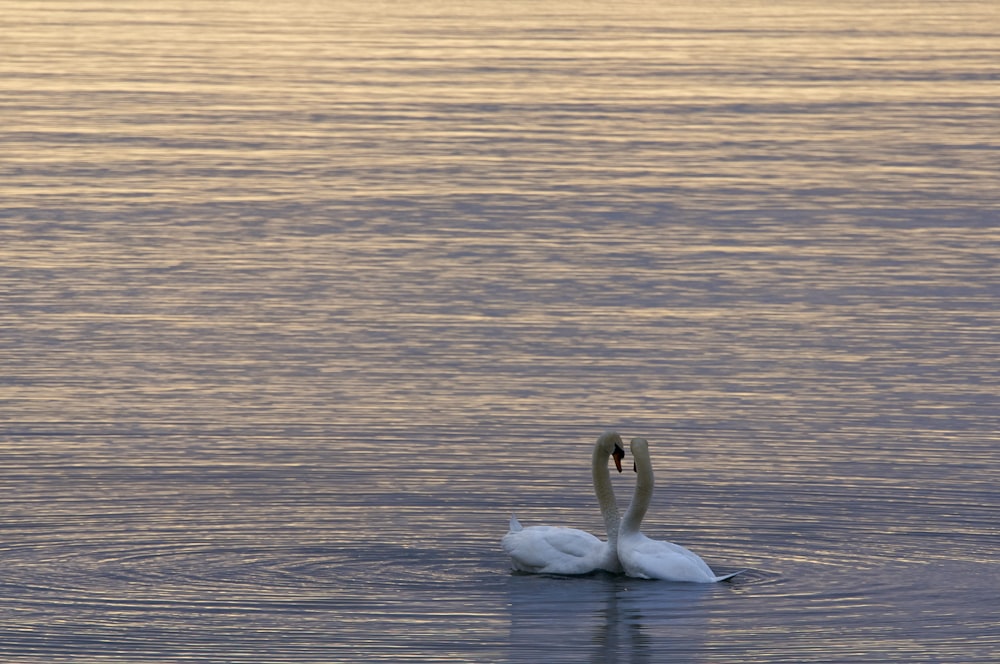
(560, 550)
(646, 558)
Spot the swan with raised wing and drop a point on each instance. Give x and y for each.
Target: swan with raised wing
(560, 550)
(646, 558)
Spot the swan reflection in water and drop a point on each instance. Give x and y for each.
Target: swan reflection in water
(605, 617)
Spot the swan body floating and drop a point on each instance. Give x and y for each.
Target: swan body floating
(569, 551)
(646, 558)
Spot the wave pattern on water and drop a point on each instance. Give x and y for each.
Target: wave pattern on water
(297, 307)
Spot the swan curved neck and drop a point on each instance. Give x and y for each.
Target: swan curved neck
(642, 496)
(605, 494)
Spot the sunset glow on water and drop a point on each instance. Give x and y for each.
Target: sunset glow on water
(298, 305)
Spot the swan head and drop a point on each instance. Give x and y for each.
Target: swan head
(611, 443)
(642, 446)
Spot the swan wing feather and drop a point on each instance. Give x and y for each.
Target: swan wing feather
(553, 550)
(656, 559)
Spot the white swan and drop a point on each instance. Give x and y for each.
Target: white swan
(653, 559)
(558, 550)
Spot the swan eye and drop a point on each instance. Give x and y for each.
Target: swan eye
(634, 469)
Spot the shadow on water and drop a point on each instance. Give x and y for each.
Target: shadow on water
(605, 617)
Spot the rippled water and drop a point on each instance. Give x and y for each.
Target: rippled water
(297, 305)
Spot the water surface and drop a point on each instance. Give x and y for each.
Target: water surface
(298, 306)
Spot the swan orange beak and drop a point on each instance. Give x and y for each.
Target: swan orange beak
(618, 455)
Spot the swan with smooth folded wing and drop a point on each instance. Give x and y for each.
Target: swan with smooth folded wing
(646, 558)
(561, 550)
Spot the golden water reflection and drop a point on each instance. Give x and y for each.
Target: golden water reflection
(298, 306)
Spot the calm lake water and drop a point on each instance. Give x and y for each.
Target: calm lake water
(298, 304)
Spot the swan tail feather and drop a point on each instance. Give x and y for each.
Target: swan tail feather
(515, 525)
(727, 577)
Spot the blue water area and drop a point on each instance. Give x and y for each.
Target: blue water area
(298, 305)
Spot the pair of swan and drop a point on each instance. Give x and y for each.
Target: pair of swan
(558, 550)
